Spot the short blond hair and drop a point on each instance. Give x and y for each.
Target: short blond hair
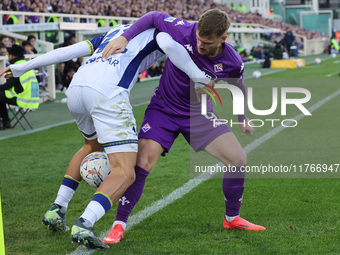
(213, 22)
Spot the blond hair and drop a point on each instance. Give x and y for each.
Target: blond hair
(213, 22)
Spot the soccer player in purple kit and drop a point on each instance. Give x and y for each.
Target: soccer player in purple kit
(171, 110)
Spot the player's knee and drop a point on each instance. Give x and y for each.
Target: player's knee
(145, 163)
(239, 160)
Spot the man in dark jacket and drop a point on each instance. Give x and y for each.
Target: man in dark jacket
(289, 40)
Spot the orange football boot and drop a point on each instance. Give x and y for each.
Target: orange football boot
(240, 223)
(116, 235)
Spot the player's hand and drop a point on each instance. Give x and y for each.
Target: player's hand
(200, 91)
(6, 70)
(116, 46)
(248, 130)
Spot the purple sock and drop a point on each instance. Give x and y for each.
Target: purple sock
(233, 192)
(131, 196)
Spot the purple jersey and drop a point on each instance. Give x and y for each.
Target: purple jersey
(174, 87)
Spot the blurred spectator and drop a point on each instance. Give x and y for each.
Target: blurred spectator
(69, 41)
(289, 40)
(27, 47)
(67, 78)
(5, 5)
(59, 76)
(33, 40)
(12, 41)
(112, 23)
(244, 56)
(236, 45)
(154, 70)
(50, 35)
(3, 49)
(293, 51)
(242, 8)
(278, 51)
(12, 19)
(5, 40)
(334, 45)
(266, 63)
(66, 70)
(34, 19)
(161, 66)
(232, 7)
(26, 8)
(257, 53)
(101, 22)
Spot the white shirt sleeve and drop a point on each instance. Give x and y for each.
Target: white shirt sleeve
(181, 59)
(63, 54)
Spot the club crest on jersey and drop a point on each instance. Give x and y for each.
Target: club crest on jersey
(146, 127)
(169, 19)
(218, 67)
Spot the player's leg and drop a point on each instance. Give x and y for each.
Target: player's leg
(121, 177)
(54, 218)
(228, 150)
(116, 128)
(148, 154)
(154, 140)
(221, 143)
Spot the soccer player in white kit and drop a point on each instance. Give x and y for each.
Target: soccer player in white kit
(98, 98)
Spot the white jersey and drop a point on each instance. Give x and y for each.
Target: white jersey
(119, 72)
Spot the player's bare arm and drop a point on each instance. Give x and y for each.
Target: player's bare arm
(115, 46)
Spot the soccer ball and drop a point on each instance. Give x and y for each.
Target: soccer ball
(94, 168)
(333, 55)
(317, 61)
(256, 74)
(299, 64)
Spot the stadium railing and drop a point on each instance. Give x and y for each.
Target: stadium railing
(74, 17)
(311, 47)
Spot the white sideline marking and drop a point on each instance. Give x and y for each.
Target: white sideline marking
(331, 74)
(37, 129)
(191, 184)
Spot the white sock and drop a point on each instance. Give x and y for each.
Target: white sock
(93, 212)
(64, 196)
(119, 222)
(229, 219)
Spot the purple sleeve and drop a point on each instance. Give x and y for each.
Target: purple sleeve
(162, 21)
(142, 24)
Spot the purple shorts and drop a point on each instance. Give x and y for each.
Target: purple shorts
(162, 127)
